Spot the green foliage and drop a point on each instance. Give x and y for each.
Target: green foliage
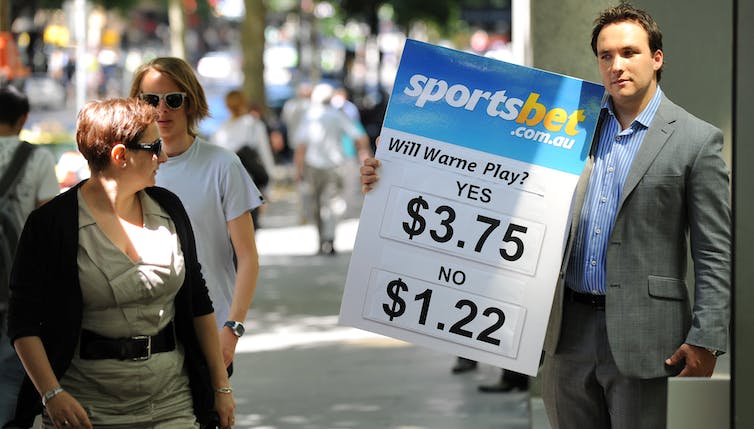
(120, 5)
(438, 13)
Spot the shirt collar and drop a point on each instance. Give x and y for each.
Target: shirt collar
(646, 115)
(149, 207)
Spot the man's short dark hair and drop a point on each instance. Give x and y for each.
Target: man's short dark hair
(627, 12)
(15, 104)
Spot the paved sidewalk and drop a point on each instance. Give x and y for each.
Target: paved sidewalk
(297, 368)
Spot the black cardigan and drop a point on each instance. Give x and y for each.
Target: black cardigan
(46, 297)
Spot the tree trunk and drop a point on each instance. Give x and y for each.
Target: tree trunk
(252, 48)
(4, 15)
(177, 21)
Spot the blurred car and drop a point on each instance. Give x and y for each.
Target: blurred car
(44, 92)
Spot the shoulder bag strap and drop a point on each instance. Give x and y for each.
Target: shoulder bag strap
(13, 174)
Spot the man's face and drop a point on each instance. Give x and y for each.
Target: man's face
(626, 64)
(172, 123)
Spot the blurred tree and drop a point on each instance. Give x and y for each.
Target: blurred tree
(252, 35)
(122, 5)
(406, 11)
(177, 24)
(4, 15)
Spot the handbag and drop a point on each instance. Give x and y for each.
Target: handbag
(252, 162)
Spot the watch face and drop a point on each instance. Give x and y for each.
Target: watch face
(236, 327)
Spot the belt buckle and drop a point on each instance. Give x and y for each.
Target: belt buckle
(148, 346)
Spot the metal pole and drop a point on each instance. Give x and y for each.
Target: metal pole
(79, 12)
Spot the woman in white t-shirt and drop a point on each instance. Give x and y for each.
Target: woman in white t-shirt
(246, 136)
(242, 129)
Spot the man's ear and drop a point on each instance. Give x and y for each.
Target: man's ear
(659, 58)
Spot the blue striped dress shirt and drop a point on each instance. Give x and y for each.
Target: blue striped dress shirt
(613, 157)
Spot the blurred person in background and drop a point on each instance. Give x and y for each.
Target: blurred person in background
(109, 312)
(508, 381)
(246, 136)
(341, 101)
(35, 184)
(274, 131)
(213, 185)
(292, 115)
(318, 158)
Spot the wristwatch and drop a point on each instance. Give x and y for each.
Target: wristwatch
(715, 353)
(236, 327)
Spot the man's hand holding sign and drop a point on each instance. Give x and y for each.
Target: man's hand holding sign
(460, 241)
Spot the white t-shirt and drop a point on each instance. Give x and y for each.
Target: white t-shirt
(246, 130)
(38, 181)
(293, 113)
(321, 131)
(215, 189)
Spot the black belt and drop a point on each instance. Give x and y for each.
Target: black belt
(95, 346)
(597, 302)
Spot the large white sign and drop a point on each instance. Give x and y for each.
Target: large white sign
(460, 243)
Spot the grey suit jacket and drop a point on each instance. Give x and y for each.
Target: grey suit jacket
(676, 194)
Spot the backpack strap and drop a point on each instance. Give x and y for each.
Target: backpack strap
(12, 173)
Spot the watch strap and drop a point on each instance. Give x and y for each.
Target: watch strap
(715, 353)
(235, 326)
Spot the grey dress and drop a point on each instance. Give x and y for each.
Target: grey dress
(123, 298)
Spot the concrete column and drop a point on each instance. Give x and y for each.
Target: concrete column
(561, 35)
(743, 177)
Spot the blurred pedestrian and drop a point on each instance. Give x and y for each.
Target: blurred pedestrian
(292, 115)
(214, 187)
(30, 181)
(318, 158)
(509, 380)
(109, 311)
(294, 109)
(247, 136)
(463, 365)
(274, 131)
(342, 102)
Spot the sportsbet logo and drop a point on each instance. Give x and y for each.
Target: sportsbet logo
(530, 112)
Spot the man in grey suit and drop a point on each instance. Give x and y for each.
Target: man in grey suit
(655, 186)
(622, 320)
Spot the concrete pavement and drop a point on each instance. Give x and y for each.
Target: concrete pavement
(297, 368)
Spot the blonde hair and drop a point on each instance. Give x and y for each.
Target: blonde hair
(183, 75)
(235, 100)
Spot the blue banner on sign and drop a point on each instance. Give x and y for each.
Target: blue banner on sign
(518, 112)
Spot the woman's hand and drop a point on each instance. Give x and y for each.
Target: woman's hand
(66, 412)
(225, 406)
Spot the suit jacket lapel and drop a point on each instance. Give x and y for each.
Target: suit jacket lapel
(660, 130)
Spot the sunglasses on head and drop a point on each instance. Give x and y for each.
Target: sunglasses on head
(173, 100)
(155, 147)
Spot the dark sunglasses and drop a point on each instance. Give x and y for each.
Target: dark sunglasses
(155, 147)
(173, 100)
